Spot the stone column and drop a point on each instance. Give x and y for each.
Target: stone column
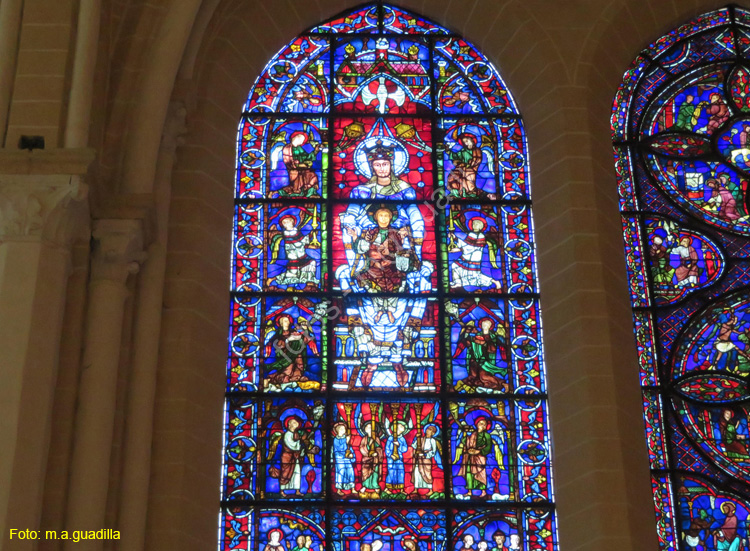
(117, 253)
(139, 425)
(40, 215)
(84, 67)
(10, 27)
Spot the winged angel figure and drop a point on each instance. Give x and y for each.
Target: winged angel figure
(467, 157)
(484, 349)
(301, 268)
(296, 438)
(298, 152)
(466, 271)
(479, 451)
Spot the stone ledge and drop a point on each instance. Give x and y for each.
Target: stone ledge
(46, 161)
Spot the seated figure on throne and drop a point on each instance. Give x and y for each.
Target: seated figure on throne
(383, 244)
(380, 161)
(299, 163)
(386, 253)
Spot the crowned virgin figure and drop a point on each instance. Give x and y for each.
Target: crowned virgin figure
(383, 245)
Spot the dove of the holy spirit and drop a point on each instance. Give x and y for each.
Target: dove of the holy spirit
(382, 95)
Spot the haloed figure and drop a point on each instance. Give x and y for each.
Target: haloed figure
(463, 178)
(291, 457)
(302, 178)
(301, 268)
(386, 253)
(485, 354)
(343, 456)
(395, 448)
(296, 444)
(291, 344)
(383, 247)
(467, 270)
(388, 259)
(425, 453)
(477, 446)
(727, 538)
(372, 461)
(275, 538)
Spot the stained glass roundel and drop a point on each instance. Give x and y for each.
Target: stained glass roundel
(386, 386)
(681, 129)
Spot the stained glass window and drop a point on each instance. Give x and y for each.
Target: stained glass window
(681, 131)
(386, 385)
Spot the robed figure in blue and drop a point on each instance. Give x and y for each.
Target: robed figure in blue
(343, 457)
(395, 448)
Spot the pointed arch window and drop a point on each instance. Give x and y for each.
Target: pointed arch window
(386, 384)
(681, 131)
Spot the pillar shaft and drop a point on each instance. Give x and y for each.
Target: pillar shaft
(139, 427)
(35, 241)
(82, 85)
(117, 251)
(10, 27)
(140, 406)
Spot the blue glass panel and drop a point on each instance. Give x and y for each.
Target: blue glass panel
(398, 21)
(295, 80)
(361, 20)
(468, 82)
(396, 529)
(291, 449)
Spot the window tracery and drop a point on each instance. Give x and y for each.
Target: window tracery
(680, 131)
(386, 383)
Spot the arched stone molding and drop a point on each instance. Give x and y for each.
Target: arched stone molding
(142, 145)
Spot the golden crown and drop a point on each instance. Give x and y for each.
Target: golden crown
(380, 151)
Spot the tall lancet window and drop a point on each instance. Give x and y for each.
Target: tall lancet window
(681, 131)
(386, 387)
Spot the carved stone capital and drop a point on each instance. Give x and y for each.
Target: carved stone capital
(117, 249)
(41, 206)
(175, 126)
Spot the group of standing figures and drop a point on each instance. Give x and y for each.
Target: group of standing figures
(388, 451)
(383, 465)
